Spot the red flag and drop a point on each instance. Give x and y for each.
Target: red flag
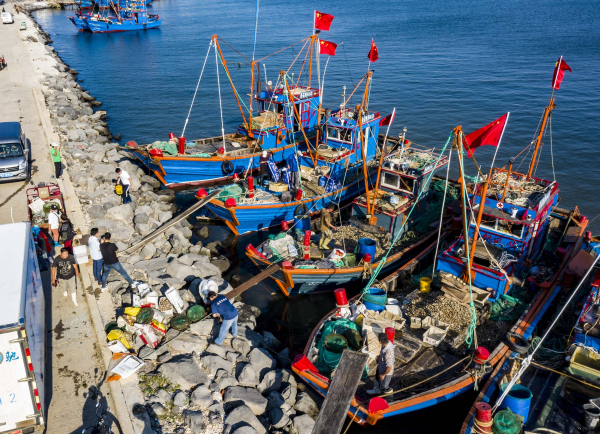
(373, 53)
(559, 72)
(387, 120)
(322, 21)
(488, 135)
(326, 47)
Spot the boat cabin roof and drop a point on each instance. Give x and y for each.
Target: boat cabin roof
(279, 95)
(347, 118)
(414, 162)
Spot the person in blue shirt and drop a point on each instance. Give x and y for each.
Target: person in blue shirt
(292, 164)
(222, 307)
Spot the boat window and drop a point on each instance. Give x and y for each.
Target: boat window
(340, 134)
(390, 180)
(497, 225)
(407, 184)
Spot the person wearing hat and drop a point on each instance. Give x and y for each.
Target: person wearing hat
(206, 286)
(55, 154)
(385, 367)
(326, 227)
(293, 167)
(220, 306)
(264, 166)
(54, 224)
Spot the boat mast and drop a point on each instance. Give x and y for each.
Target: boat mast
(298, 118)
(538, 142)
(381, 156)
(457, 145)
(479, 216)
(372, 219)
(224, 63)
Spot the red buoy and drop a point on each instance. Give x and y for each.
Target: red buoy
(221, 150)
(481, 355)
(251, 187)
(181, 145)
(171, 136)
(298, 194)
(367, 258)
(340, 297)
(483, 412)
(201, 194)
(236, 177)
(156, 152)
(230, 203)
(284, 225)
(391, 333)
(307, 245)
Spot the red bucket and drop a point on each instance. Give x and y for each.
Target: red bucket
(367, 258)
(171, 136)
(390, 332)
(340, 297)
(481, 355)
(201, 194)
(284, 225)
(298, 194)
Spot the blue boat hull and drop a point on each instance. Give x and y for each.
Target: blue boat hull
(252, 218)
(124, 26)
(80, 23)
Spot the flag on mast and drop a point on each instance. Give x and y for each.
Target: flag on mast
(388, 120)
(488, 135)
(559, 72)
(326, 47)
(323, 21)
(373, 53)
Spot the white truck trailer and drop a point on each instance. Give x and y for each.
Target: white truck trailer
(22, 333)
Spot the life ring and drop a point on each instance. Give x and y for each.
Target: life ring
(227, 167)
(516, 343)
(301, 209)
(499, 205)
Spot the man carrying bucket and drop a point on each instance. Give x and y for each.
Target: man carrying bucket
(326, 227)
(385, 367)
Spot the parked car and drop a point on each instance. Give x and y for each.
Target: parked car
(7, 18)
(15, 153)
(2, 2)
(22, 333)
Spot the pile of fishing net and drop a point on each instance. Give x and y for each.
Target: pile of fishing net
(510, 307)
(337, 336)
(434, 207)
(168, 148)
(233, 190)
(507, 422)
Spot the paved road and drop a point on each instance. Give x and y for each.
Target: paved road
(74, 361)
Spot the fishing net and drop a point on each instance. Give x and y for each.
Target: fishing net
(328, 360)
(335, 343)
(510, 307)
(434, 207)
(180, 322)
(233, 190)
(196, 313)
(144, 316)
(507, 422)
(168, 148)
(354, 339)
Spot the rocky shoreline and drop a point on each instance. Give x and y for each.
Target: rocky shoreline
(189, 385)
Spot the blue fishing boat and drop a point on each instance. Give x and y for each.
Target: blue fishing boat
(281, 119)
(116, 18)
(80, 21)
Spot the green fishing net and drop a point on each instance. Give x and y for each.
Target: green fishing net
(144, 316)
(196, 313)
(434, 207)
(335, 343)
(507, 422)
(354, 339)
(180, 322)
(168, 148)
(328, 360)
(233, 190)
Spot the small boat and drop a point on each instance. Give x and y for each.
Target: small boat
(401, 194)
(116, 18)
(555, 393)
(433, 362)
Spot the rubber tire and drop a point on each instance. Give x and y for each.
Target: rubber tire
(227, 167)
(300, 210)
(521, 347)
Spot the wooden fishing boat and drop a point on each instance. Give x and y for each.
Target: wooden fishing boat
(564, 391)
(398, 203)
(426, 374)
(123, 16)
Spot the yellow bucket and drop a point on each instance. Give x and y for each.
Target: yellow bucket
(119, 189)
(425, 284)
(359, 320)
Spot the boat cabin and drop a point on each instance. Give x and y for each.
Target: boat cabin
(513, 227)
(405, 174)
(343, 135)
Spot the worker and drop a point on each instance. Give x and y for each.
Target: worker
(64, 271)
(54, 224)
(264, 166)
(96, 254)
(127, 184)
(66, 232)
(56, 159)
(207, 286)
(292, 165)
(221, 307)
(111, 262)
(326, 227)
(385, 367)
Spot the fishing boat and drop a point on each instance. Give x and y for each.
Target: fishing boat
(542, 390)
(286, 121)
(113, 17)
(401, 194)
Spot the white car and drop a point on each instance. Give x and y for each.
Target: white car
(7, 18)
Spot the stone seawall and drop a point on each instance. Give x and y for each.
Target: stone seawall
(187, 384)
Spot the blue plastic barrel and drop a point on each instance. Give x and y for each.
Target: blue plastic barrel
(375, 299)
(366, 245)
(518, 400)
(323, 180)
(302, 223)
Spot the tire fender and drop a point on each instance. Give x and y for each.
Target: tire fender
(227, 167)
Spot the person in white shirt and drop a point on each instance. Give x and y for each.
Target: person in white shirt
(94, 245)
(54, 224)
(125, 181)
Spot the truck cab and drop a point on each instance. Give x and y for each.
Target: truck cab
(15, 153)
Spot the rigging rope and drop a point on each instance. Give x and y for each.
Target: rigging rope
(255, 30)
(441, 216)
(198, 85)
(220, 103)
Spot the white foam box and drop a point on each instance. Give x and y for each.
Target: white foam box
(81, 254)
(434, 336)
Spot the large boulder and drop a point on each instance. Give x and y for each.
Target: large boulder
(122, 213)
(262, 361)
(183, 370)
(241, 346)
(242, 416)
(305, 404)
(271, 382)
(247, 376)
(302, 424)
(150, 180)
(224, 380)
(151, 264)
(206, 328)
(237, 395)
(195, 420)
(148, 252)
(182, 271)
(214, 363)
(202, 397)
(278, 418)
(218, 350)
(206, 269)
(187, 344)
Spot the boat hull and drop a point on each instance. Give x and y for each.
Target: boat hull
(80, 23)
(125, 26)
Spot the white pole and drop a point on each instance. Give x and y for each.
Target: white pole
(323, 81)
(501, 134)
(528, 359)
(220, 104)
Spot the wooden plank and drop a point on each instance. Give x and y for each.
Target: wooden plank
(340, 393)
(581, 263)
(572, 235)
(253, 281)
(170, 223)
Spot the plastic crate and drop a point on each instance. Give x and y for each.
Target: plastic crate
(434, 336)
(585, 363)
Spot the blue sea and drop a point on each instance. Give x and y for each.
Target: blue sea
(441, 64)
